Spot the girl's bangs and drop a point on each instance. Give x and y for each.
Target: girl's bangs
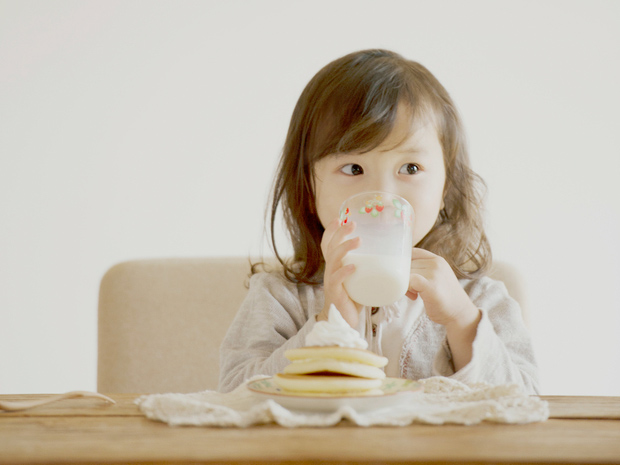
(360, 122)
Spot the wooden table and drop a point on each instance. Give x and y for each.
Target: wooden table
(581, 430)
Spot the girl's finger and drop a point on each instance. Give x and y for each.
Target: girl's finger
(339, 252)
(342, 273)
(343, 231)
(329, 232)
(336, 237)
(417, 253)
(423, 266)
(334, 234)
(417, 283)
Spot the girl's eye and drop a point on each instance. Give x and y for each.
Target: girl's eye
(409, 168)
(352, 169)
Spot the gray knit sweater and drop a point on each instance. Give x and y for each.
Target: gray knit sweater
(277, 314)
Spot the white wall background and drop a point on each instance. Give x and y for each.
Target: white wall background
(135, 129)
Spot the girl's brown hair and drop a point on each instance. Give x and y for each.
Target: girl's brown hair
(350, 106)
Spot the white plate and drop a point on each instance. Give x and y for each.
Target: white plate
(393, 391)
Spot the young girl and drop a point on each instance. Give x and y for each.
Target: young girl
(374, 121)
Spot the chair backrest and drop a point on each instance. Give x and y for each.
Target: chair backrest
(515, 282)
(161, 322)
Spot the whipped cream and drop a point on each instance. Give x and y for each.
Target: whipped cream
(335, 332)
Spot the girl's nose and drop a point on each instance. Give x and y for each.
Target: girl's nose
(383, 184)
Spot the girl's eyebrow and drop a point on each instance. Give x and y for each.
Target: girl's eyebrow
(339, 155)
(409, 151)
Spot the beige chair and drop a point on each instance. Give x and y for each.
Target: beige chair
(161, 322)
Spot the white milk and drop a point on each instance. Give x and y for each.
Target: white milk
(378, 279)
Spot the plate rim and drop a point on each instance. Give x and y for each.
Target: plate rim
(325, 396)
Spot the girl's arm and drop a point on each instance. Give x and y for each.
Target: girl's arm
(334, 248)
(502, 351)
(445, 302)
(271, 320)
(461, 334)
(485, 337)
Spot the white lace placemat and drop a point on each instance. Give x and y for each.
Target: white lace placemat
(443, 401)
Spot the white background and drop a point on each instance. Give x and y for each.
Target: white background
(136, 129)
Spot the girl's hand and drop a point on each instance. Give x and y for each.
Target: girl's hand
(334, 249)
(445, 302)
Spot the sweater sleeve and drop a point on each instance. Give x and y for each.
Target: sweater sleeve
(502, 349)
(271, 320)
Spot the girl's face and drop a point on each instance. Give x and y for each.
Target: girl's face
(408, 163)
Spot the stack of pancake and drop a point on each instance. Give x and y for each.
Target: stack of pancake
(331, 370)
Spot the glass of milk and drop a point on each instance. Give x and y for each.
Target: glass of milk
(384, 221)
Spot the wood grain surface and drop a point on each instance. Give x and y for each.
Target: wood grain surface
(581, 430)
